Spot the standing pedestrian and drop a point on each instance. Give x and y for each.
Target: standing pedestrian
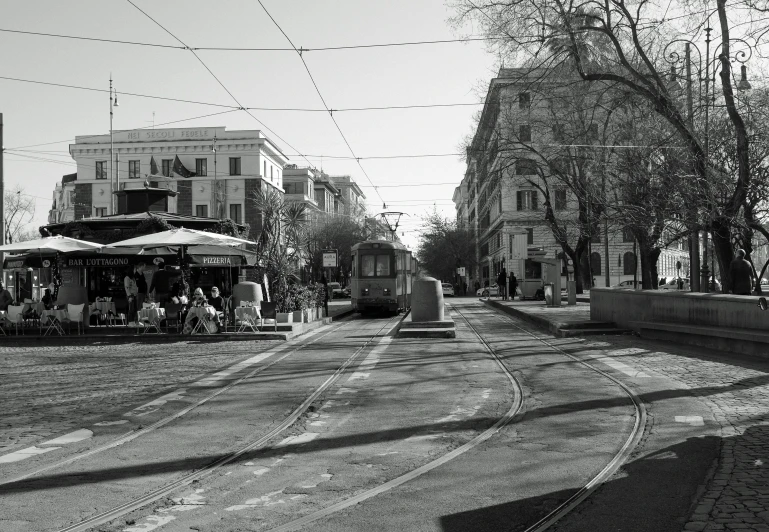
(464, 288)
(741, 275)
(141, 285)
(129, 283)
(502, 283)
(513, 285)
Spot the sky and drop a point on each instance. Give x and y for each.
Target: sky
(449, 73)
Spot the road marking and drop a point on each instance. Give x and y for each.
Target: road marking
(72, 437)
(694, 421)
(23, 454)
(144, 409)
(298, 440)
(153, 522)
(108, 423)
(620, 366)
(261, 471)
(358, 375)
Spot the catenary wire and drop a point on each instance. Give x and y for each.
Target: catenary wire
(321, 97)
(240, 105)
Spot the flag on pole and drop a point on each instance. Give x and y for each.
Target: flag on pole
(154, 170)
(180, 169)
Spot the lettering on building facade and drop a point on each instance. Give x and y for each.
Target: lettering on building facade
(216, 260)
(101, 262)
(175, 134)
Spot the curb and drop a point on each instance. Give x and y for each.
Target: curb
(540, 322)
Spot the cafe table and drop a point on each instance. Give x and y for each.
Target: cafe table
(53, 319)
(247, 317)
(204, 321)
(151, 318)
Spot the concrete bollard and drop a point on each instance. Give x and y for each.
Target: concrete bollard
(427, 300)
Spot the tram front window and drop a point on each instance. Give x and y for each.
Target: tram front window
(375, 265)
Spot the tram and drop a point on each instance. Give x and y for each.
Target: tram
(382, 273)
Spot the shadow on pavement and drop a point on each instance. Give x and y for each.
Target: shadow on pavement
(652, 493)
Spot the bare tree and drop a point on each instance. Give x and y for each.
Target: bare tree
(623, 42)
(19, 210)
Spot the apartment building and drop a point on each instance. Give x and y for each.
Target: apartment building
(505, 188)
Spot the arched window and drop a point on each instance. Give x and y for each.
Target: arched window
(595, 263)
(630, 263)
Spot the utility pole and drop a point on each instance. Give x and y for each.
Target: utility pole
(2, 192)
(216, 190)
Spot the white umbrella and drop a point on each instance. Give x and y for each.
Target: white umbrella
(61, 244)
(180, 237)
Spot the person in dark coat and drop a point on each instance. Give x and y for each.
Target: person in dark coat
(502, 283)
(741, 275)
(513, 285)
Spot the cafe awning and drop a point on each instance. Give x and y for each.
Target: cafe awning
(220, 257)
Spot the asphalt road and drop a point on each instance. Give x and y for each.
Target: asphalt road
(401, 404)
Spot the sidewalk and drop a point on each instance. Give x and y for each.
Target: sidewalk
(561, 321)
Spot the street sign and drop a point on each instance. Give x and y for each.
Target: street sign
(330, 258)
(461, 271)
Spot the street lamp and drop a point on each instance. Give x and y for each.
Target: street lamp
(673, 57)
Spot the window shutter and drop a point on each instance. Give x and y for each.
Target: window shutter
(534, 198)
(519, 200)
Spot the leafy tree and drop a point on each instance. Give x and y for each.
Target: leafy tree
(444, 247)
(337, 232)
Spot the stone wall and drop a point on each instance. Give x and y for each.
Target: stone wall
(716, 310)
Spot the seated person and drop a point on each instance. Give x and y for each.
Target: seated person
(217, 301)
(5, 298)
(179, 293)
(47, 298)
(199, 299)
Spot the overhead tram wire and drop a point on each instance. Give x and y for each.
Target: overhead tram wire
(240, 105)
(331, 114)
(245, 49)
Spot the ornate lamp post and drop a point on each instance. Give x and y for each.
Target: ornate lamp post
(674, 58)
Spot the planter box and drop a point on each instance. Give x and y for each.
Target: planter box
(319, 311)
(297, 316)
(308, 314)
(285, 317)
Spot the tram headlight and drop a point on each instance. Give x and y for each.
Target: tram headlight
(386, 291)
(364, 292)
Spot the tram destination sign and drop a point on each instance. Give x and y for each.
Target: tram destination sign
(330, 258)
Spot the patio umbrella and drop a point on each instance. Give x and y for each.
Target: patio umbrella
(52, 244)
(180, 237)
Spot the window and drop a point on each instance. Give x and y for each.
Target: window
(234, 165)
(100, 211)
(560, 199)
(375, 265)
(271, 169)
(101, 169)
(235, 212)
(595, 263)
(166, 166)
(525, 167)
(201, 167)
(264, 174)
(524, 100)
(524, 133)
(526, 200)
(201, 211)
(134, 168)
(558, 132)
(530, 235)
(630, 265)
(627, 235)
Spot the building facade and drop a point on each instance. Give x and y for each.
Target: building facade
(506, 190)
(214, 172)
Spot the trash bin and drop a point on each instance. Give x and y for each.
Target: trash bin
(549, 291)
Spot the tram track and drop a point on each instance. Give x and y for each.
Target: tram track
(132, 435)
(619, 458)
(513, 414)
(287, 422)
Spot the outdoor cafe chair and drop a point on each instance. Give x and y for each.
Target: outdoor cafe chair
(15, 317)
(226, 315)
(76, 315)
(268, 311)
(174, 315)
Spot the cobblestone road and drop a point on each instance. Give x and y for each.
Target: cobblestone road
(737, 390)
(45, 390)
